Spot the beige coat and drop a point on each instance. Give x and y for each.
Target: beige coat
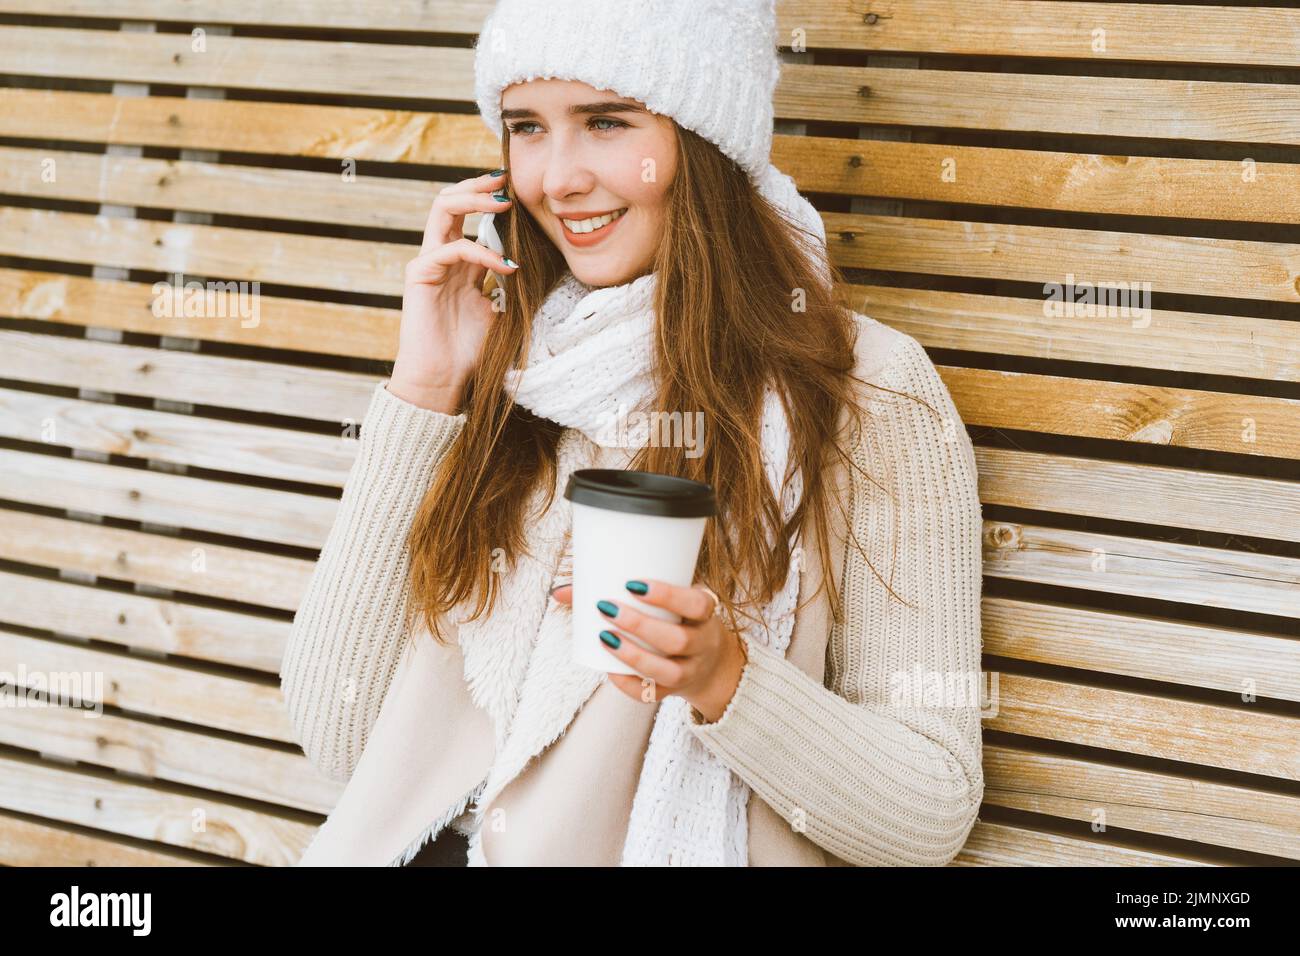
(430, 746)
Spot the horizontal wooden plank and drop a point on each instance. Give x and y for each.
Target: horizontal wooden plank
(247, 63)
(1174, 33)
(183, 439)
(1082, 105)
(1161, 570)
(1233, 738)
(146, 622)
(1268, 36)
(1125, 491)
(1148, 801)
(1106, 106)
(238, 190)
(174, 755)
(163, 561)
(1213, 344)
(1113, 184)
(193, 821)
(301, 129)
(1121, 411)
(283, 323)
(324, 394)
(147, 686)
(25, 843)
(444, 16)
(158, 497)
(1233, 268)
(997, 844)
(218, 252)
(1236, 660)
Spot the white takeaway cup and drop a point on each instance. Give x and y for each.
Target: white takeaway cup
(630, 526)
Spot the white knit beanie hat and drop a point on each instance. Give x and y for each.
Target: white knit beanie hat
(711, 65)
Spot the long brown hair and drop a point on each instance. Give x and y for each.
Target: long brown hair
(731, 269)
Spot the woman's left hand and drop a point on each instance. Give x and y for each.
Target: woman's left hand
(700, 659)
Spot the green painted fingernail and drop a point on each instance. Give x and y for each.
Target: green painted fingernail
(497, 172)
(608, 609)
(510, 262)
(500, 197)
(610, 639)
(637, 587)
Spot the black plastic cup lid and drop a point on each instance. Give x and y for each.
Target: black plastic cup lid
(641, 492)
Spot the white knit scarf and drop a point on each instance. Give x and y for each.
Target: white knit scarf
(589, 362)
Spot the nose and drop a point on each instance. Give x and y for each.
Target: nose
(568, 173)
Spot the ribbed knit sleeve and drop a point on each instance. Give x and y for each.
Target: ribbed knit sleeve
(874, 778)
(347, 633)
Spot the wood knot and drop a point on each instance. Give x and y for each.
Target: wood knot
(1160, 432)
(1004, 536)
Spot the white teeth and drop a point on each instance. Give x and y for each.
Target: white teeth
(591, 225)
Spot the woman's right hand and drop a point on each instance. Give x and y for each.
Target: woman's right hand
(445, 315)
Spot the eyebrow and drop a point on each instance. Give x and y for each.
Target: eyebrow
(582, 109)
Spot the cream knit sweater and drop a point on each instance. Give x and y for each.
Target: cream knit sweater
(876, 779)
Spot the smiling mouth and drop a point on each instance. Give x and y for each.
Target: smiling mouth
(588, 227)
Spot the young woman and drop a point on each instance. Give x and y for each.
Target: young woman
(643, 254)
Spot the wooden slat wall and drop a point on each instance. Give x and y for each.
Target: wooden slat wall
(165, 483)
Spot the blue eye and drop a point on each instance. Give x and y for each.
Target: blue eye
(516, 129)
